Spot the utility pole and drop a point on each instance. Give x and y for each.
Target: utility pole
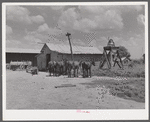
(68, 35)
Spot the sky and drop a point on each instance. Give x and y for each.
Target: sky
(29, 27)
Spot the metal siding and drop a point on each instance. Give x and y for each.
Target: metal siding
(19, 50)
(76, 49)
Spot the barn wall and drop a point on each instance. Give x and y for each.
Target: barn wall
(46, 50)
(21, 57)
(55, 56)
(41, 62)
(41, 59)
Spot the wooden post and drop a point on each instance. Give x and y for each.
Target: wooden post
(109, 57)
(103, 60)
(111, 60)
(108, 63)
(68, 35)
(120, 59)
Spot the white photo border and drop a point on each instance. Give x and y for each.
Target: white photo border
(66, 114)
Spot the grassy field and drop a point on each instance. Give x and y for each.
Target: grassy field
(135, 69)
(132, 88)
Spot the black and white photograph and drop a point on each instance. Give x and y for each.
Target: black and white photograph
(72, 61)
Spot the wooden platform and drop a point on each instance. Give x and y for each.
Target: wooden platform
(65, 85)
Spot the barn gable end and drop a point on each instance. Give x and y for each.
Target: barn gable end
(57, 52)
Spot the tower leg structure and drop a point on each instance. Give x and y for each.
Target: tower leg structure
(109, 57)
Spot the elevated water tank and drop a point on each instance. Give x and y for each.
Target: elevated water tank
(111, 43)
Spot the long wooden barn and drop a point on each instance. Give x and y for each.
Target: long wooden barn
(16, 54)
(57, 52)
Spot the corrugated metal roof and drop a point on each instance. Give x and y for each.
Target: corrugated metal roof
(19, 50)
(76, 49)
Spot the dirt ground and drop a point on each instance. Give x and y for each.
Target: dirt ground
(24, 91)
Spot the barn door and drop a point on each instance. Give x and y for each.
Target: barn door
(48, 58)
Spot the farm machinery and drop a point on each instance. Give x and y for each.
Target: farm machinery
(32, 70)
(21, 65)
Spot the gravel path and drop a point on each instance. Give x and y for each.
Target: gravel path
(24, 91)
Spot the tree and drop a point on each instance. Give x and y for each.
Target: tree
(123, 52)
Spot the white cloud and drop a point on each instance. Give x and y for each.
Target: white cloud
(135, 45)
(43, 28)
(92, 9)
(17, 13)
(95, 18)
(35, 37)
(97, 9)
(89, 20)
(103, 38)
(141, 19)
(42, 34)
(55, 31)
(32, 39)
(133, 8)
(83, 18)
(21, 14)
(85, 25)
(57, 7)
(68, 19)
(109, 20)
(51, 31)
(8, 30)
(37, 19)
(11, 43)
